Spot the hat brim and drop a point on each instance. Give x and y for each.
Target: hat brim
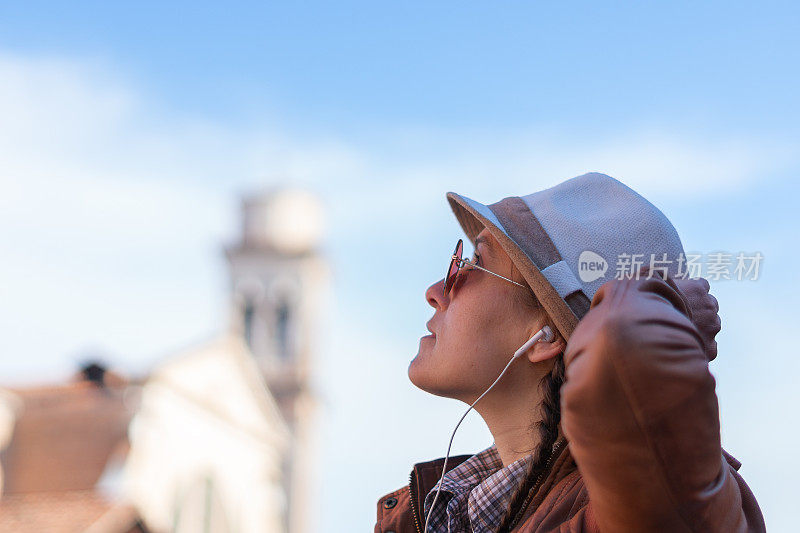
(474, 217)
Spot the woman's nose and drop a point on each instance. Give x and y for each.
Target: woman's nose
(435, 295)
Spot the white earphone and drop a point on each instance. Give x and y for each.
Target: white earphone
(545, 334)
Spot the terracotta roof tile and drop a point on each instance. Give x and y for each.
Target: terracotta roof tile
(63, 437)
(54, 512)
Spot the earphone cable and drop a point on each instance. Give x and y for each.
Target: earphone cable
(447, 456)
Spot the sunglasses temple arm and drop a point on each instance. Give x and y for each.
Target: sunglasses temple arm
(498, 275)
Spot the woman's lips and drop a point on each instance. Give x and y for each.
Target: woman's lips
(428, 326)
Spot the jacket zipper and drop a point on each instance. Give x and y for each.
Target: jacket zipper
(413, 499)
(556, 450)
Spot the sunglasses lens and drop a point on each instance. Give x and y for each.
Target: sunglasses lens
(452, 270)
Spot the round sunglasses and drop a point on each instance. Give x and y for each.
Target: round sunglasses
(457, 263)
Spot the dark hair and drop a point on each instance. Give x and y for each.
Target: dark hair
(547, 426)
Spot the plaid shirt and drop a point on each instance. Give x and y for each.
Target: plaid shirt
(475, 494)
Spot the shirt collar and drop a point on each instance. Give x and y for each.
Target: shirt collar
(471, 472)
(485, 483)
(488, 501)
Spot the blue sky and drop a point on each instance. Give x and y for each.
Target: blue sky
(128, 133)
(586, 66)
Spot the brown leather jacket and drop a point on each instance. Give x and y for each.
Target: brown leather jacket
(642, 422)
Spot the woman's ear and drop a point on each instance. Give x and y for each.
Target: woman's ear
(544, 350)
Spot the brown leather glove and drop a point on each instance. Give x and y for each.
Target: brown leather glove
(703, 308)
(639, 408)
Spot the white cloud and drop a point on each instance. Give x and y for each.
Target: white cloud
(110, 200)
(113, 213)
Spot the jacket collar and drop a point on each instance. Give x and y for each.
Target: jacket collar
(424, 477)
(560, 467)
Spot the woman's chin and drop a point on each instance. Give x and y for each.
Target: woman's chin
(423, 374)
(419, 369)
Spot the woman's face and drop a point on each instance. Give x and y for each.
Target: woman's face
(475, 329)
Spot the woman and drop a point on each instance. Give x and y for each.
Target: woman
(610, 425)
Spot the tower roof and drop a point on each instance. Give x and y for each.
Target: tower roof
(286, 220)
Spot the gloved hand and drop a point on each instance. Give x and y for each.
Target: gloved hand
(703, 307)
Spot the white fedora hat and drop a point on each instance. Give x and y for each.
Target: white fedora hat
(567, 240)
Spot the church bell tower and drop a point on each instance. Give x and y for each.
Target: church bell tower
(278, 279)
